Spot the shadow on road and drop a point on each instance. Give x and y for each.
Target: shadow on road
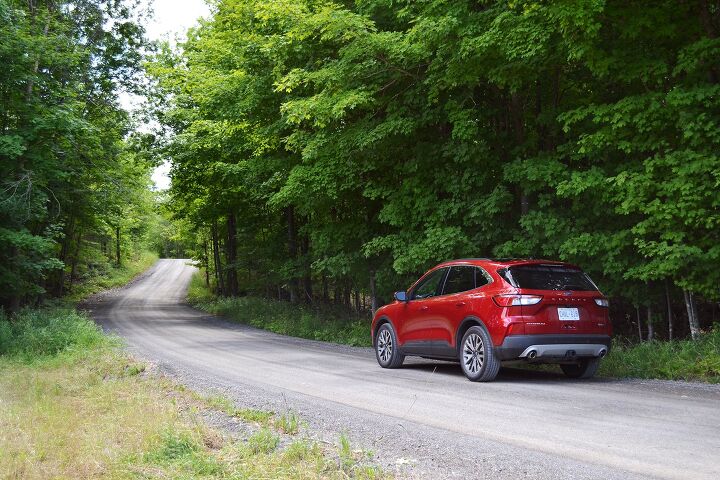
(508, 374)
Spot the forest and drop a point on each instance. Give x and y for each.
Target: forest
(75, 198)
(330, 152)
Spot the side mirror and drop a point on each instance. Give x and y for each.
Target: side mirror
(401, 296)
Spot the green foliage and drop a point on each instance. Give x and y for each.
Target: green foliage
(288, 423)
(316, 323)
(320, 323)
(263, 441)
(73, 179)
(104, 275)
(350, 146)
(674, 360)
(36, 333)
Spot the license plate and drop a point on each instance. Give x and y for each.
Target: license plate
(568, 313)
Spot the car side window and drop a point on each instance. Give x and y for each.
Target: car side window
(460, 279)
(481, 277)
(429, 286)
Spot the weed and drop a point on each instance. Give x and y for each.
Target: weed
(175, 445)
(252, 415)
(300, 450)
(134, 369)
(263, 441)
(347, 460)
(288, 423)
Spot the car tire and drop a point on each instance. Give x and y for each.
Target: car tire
(477, 355)
(585, 368)
(386, 347)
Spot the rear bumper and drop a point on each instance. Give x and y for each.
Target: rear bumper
(552, 347)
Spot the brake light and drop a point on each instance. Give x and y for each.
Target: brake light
(602, 302)
(516, 300)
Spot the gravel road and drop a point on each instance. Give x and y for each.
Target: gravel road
(424, 420)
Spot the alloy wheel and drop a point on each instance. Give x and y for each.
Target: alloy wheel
(384, 346)
(473, 353)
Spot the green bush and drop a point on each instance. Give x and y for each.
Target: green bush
(323, 322)
(675, 360)
(33, 333)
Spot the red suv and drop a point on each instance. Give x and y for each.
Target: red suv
(482, 312)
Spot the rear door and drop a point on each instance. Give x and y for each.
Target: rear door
(568, 299)
(453, 304)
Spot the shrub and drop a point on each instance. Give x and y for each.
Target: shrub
(317, 322)
(33, 333)
(675, 360)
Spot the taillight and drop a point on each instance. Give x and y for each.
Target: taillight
(516, 300)
(602, 302)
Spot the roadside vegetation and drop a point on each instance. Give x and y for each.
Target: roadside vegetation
(316, 322)
(74, 405)
(697, 360)
(112, 276)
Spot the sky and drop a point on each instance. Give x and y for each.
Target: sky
(172, 18)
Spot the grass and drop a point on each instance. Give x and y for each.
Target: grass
(74, 405)
(315, 323)
(287, 423)
(674, 360)
(36, 334)
(112, 277)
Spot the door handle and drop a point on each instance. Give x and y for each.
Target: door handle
(460, 304)
(424, 307)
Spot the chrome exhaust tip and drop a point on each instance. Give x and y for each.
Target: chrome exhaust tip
(602, 353)
(532, 354)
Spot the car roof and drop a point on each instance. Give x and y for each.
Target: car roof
(504, 262)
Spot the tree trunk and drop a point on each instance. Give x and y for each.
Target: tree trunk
(650, 326)
(75, 258)
(669, 311)
(206, 261)
(219, 280)
(231, 255)
(325, 295)
(707, 23)
(292, 252)
(346, 294)
(639, 323)
(373, 293)
(118, 259)
(307, 274)
(692, 314)
(337, 293)
(59, 287)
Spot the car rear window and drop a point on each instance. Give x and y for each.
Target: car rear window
(547, 277)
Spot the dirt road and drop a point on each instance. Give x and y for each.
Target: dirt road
(425, 420)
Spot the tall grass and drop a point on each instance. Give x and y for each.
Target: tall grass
(72, 405)
(316, 323)
(36, 333)
(673, 360)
